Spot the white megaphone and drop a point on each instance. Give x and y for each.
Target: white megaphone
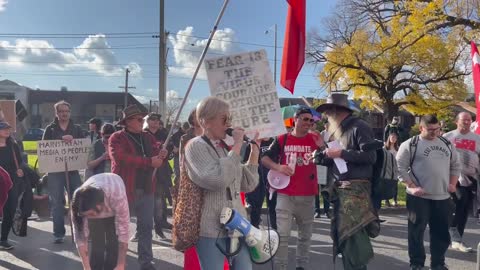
(262, 244)
(278, 180)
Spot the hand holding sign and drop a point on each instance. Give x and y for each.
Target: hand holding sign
(67, 138)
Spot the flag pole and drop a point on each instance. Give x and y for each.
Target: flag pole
(200, 61)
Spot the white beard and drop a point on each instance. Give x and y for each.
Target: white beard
(334, 128)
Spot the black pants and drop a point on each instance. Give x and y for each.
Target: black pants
(463, 201)
(9, 211)
(160, 211)
(255, 199)
(326, 204)
(272, 204)
(104, 251)
(435, 213)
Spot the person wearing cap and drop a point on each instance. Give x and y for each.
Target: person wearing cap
(296, 200)
(135, 154)
(9, 158)
(156, 127)
(355, 219)
(62, 128)
(164, 178)
(94, 126)
(98, 158)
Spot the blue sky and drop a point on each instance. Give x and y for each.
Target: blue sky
(59, 52)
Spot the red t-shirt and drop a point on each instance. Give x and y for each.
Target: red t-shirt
(304, 181)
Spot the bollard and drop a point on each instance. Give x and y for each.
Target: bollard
(478, 256)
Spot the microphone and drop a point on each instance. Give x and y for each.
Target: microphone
(229, 132)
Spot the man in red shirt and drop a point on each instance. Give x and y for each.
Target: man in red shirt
(134, 156)
(296, 200)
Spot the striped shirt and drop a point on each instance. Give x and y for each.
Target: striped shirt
(116, 205)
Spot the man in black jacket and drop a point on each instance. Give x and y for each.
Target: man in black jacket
(62, 128)
(355, 220)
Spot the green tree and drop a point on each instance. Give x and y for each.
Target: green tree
(398, 53)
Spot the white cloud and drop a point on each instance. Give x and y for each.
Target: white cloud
(93, 54)
(187, 50)
(172, 94)
(3, 4)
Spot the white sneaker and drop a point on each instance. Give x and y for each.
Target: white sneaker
(460, 246)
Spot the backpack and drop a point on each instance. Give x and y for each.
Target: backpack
(384, 177)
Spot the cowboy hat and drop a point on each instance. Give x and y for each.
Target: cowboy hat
(131, 111)
(333, 101)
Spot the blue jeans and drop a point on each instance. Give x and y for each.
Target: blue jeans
(144, 212)
(56, 191)
(212, 259)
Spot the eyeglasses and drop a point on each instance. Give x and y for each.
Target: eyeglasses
(63, 111)
(433, 129)
(307, 119)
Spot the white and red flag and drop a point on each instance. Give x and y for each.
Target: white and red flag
(294, 44)
(476, 81)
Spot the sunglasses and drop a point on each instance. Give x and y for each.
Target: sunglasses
(307, 119)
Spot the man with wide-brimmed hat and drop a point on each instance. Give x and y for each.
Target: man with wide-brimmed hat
(135, 154)
(355, 219)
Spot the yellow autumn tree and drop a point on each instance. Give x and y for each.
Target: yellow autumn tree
(398, 53)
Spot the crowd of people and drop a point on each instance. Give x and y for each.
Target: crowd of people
(128, 175)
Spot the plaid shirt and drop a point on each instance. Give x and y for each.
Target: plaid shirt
(126, 161)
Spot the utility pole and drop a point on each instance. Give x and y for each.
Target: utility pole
(162, 80)
(126, 87)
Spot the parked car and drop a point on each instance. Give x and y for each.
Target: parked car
(33, 134)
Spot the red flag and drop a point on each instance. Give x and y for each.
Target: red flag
(294, 44)
(476, 81)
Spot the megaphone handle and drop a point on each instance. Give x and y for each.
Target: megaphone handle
(271, 190)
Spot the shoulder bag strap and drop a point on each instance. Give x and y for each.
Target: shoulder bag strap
(285, 136)
(207, 140)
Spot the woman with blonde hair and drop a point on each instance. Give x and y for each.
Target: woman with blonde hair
(218, 170)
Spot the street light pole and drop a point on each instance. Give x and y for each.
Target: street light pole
(275, 52)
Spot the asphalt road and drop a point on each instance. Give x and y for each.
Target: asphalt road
(37, 250)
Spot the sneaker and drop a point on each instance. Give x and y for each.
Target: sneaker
(160, 234)
(4, 245)
(134, 238)
(460, 246)
(416, 267)
(59, 239)
(317, 215)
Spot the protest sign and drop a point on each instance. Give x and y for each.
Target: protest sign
(7, 113)
(245, 82)
(52, 155)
